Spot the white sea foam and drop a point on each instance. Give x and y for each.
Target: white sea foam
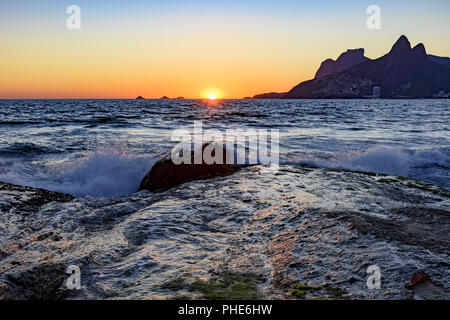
(107, 172)
(383, 159)
(110, 172)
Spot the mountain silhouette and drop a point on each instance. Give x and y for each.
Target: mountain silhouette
(442, 60)
(346, 60)
(404, 72)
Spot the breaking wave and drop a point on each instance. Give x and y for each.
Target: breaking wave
(431, 165)
(107, 172)
(110, 172)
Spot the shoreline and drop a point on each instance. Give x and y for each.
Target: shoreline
(267, 248)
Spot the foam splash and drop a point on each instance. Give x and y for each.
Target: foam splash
(387, 160)
(107, 172)
(376, 159)
(111, 172)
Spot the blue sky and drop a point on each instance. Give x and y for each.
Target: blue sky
(181, 47)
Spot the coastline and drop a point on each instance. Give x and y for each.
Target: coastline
(305, 235)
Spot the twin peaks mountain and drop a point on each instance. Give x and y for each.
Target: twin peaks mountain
(404, 72)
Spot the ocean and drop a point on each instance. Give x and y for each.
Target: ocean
(103, 148)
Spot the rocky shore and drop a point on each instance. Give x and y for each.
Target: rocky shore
(295, 233)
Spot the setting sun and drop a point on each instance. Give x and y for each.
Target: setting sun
(212, 93)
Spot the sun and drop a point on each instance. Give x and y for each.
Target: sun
(212, 94)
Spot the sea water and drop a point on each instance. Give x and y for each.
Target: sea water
(103, 148)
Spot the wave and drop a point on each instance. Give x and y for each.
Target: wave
(423, 164)
(114, 171)
(25, 150)
(107, 172)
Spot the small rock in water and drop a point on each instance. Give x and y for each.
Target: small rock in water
(417, 278)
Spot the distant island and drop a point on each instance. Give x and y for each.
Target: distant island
(163, 98)
(404, 72)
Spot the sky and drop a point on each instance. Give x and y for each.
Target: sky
(195, 48)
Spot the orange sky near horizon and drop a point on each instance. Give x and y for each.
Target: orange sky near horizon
(190, 54)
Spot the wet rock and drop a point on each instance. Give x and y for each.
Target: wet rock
(428, 291)
(254, 225)
(13, 246)
(416, 279)
(165, 174)
(39, 283)
(27, 200)
(352, 279)
(3, 290)
(424, 227)
(419, 277)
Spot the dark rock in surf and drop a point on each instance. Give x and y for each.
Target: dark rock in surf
(416, 279)
(140, 98)
(165, 174)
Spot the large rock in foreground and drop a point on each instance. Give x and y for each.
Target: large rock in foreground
(299, 232)
(165, 174)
